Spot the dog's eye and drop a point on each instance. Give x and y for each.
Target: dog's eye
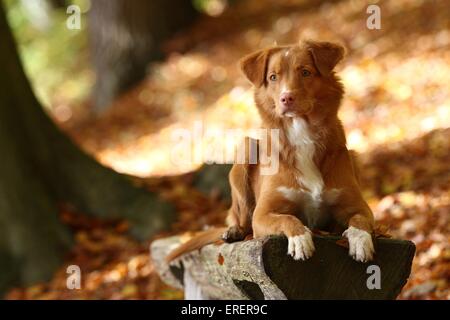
(306, 73)
(273, 77)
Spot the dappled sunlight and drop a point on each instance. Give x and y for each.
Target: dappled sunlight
(158, 153)
(391, 94)
(395, 98)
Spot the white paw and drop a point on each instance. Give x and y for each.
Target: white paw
(360, 244)
(302, 246)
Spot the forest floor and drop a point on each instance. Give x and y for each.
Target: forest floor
(396, 114)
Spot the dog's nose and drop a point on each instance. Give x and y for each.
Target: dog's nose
(287, 99)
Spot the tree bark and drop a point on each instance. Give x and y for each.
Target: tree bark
(125, 35)
(41, 167)
(261, 269)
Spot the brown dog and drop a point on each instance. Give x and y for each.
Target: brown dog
(316, 186)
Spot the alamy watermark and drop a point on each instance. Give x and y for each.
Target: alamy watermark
(374, 280)
(374, 19)
(73, 21)
(73, 281)
(202, 145)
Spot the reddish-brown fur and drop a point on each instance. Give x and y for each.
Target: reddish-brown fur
(317, 93)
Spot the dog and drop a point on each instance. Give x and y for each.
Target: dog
(317, 186)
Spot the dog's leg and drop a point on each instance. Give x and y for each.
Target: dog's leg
(268, 222)
(300, 242)
(359, 235)
(237, 230)
(353, 213)
(242, 205)
(357, 217)
(350, 210)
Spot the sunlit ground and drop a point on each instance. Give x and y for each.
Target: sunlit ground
(396, 113)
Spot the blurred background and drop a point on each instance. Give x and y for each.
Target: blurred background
(137, 70)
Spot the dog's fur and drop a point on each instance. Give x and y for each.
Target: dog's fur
(316, 186)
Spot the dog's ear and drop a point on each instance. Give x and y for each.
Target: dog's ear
(254, 67)
(326, 55)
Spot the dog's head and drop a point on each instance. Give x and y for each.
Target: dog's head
(297, 80)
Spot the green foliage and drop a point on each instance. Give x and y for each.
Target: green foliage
(210, 7)
(55, 58)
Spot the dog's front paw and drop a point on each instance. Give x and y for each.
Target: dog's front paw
(233, 234)
(360, 244)
(301, 246)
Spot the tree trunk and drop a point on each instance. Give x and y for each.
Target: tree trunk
(41, 167)
(125, 35)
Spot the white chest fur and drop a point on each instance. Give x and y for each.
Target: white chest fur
(300, 137)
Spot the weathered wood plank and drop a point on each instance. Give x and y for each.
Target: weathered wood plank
(261, 269)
